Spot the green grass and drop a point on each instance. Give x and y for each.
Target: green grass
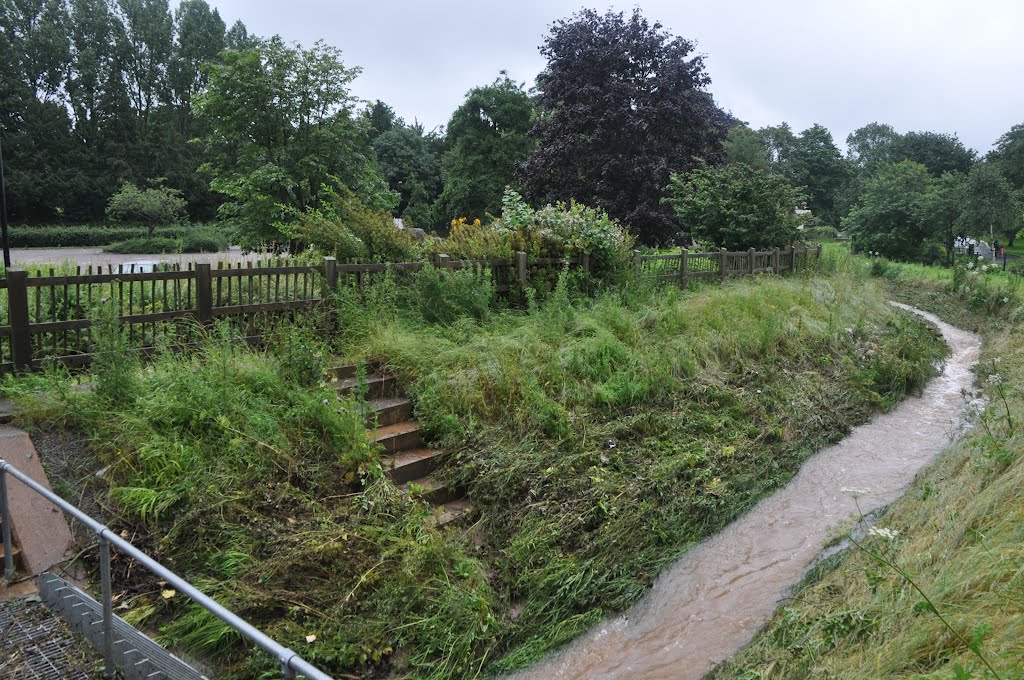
(598, 439)
(961, 539)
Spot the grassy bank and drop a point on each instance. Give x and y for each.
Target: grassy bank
(597, 438)
(960, 538)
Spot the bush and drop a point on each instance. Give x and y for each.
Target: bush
(445, 296)
(347, 229)
(553, 231)
(204, 242)
(56, 236)
(115, 362)
(154, 206)
(144, 246)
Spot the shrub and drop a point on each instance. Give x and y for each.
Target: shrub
(145, 246)
(56, 236)
(207, 241)
(347, 229)
(302, 355)
(553, 231)
(114, 362)
(154, 206)
(445, 296)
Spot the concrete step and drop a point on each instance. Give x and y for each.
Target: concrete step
(432, 490)
(411, 464)
(398, 437)
(377, 386)
(388, 411)
(452, 512)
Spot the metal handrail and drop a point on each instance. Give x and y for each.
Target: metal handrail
(291, 663)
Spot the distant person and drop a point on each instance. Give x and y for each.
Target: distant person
(996, 247)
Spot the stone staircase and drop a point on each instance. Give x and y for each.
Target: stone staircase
(406, 460)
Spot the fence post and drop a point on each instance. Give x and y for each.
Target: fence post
(585, 262)
(683, 254)
(817, 255)
(776, 267)
(17, 311)
(521, 266)
(750, 254)
(442, 261)
(204, 293)
(721, 264)
(330, 274)
(638, 259)
(792, 258)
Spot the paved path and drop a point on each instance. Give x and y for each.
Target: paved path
(33, 257)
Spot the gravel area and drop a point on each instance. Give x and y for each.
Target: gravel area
(28, 257)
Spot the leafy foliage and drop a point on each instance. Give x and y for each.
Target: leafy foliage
(736, 207)
(990, 204)
(487, 140)
(888, 217)
(281, 134)
(625, 104)
(153, 207)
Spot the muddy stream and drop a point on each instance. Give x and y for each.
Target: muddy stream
(708, 605)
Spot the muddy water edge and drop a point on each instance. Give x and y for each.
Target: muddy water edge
(708, 605)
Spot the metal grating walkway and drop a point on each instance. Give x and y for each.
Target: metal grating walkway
(38, 645)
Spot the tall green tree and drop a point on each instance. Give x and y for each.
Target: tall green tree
(625, 105)
(818, 167)
(888, 217)
(736, 206)
(1008, 155)
(282, 135)
(487, 139)
(991, 207)
(870, 146)
(936, 151)
(411, 165)
(743, 145)
(941, 210)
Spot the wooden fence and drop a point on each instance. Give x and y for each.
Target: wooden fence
(684, 266)
(45, 316)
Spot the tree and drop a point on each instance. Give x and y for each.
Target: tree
(281, 134)
(817, 165)
(735, 206)
(625, 105)
(153, 207)
(744, 145)
(941, 208)
(934, 150)
(870, 146)
(991, 206)
(1009, 155)
(888, 216)
(487, 139)
(410, 165)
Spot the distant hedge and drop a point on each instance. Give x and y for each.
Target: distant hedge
(62, 237)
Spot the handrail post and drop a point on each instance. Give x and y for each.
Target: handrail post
(17, 311)
(6, 516)
(108, 606)
(204, 293)
(683, 254)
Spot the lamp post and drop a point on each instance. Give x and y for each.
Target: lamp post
(3, 211)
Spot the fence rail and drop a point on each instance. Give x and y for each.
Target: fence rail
(46, 315)
(291, 663)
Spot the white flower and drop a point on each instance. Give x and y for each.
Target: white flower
(981, 258)
(882, 532)
(995, 379)
(997, 360)
(1006, 300)
(983, 268)
(854, 492)
(970, 265)
(325, 402)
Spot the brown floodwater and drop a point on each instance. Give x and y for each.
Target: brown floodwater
(708, 605)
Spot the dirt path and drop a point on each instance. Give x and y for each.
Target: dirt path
(26, 257)
(708, 605)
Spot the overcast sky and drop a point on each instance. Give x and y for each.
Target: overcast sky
(941, 65)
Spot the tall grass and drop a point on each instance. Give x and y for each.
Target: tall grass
(960, 538)
(598, 438)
